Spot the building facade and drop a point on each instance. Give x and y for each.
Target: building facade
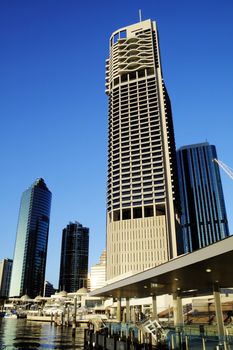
(28, 271)
(98, 273)
(48, 289)
(5, 276)
(204, 218)
(142, 195)
(74, 258)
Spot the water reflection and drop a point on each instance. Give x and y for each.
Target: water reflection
(21, 334)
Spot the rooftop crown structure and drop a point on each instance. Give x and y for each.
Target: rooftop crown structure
(142, 183)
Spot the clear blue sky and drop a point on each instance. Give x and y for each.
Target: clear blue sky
(53, 109)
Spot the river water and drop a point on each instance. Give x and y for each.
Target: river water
(22, 334)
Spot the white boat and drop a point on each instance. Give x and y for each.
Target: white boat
(10, 315)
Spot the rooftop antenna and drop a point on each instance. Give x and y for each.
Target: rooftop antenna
(140, 15)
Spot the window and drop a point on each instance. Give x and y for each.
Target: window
(148, 201)
(136, 168)
(144, 150)
(159, 188)
(136, 185)
(124, 78)
(146, 177)
(123, 34)
(115, 38)
(159, 194)
(125, 182)
(160, 210)
(147, 166)
(146, 160)
(124, 149)
(135, 157)
(148, 211)
(124, 187)
(116, 81)
(126, 214)
(132, 75)
(125, 160)
(137, 203)
(136, 191)
(137, 213)
(147, 183)
(125, 154)
(136, 197)
(141, 73)
(125, 193)
(158, 170)
(126, 199)
(125, 165)
(116, 215)
(137, 179)
(158, 182)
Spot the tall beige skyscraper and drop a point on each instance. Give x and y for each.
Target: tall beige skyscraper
(142, 206)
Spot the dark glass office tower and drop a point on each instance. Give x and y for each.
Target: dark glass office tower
(29, 262)
(5, 276)
(204, 218)
(74, 257)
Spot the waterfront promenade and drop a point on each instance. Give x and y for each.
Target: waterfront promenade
(202, 272)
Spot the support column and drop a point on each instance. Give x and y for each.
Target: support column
(154, 307)
(74, 316)
(118, 313)
(218, 310)
(133, 313)
(127, 310)
(177, 310)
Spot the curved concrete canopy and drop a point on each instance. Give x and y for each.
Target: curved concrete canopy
(192, 274)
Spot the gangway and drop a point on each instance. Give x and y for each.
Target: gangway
(98, 323)
(153, 327)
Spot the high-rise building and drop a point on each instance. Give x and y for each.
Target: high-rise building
(204, 218)
(98, 273)
(5, 276)
(48, 289)
(74, 257)
(142, 203)
(28, 271)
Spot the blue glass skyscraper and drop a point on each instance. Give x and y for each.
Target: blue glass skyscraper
(204, 218)
(29, 261)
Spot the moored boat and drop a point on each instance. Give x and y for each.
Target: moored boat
(10, 315)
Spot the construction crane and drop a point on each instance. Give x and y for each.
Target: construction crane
(225, 167)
